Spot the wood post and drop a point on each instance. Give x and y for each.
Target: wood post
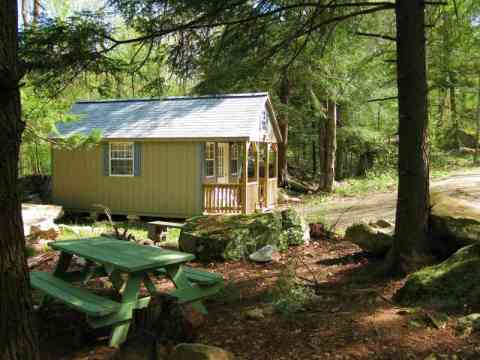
(276, 163)
(257, 172)
(244, 177)
(267, 173)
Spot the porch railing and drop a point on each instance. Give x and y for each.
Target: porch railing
(222, 198)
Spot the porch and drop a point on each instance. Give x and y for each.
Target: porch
(239, 177)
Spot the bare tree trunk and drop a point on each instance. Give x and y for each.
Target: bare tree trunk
(314, 157)
(328, 148)
(283, 125)
(477, 133)
(36, 10)
(411, 243)
(25, 13)
(19, 341)
(454, 113)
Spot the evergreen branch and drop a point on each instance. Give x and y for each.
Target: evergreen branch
(197, 24)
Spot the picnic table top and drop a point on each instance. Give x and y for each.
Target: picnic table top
(167, 223)
(122, 255)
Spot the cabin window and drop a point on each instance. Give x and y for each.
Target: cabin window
(210, 159)
(121, 159)
(234, 159)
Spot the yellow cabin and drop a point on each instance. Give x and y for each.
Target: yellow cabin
(172, 157)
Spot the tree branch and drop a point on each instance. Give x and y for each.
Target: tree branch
(383, 99)
(196, 24)
(384, 37)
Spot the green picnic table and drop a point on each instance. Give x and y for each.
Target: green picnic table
(128, 266)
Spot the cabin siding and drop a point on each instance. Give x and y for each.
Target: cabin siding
(169, 183)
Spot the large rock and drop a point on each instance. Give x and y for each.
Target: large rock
(233, 237)
(375, 237)
(454, 222)
(454, 282)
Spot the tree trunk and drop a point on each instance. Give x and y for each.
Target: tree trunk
(314, 157)
(328, 148)
(25, 13)
(36, 10)
(477, 120)
(454, 113)
(411, 243)
(19, 341)
(283, 125)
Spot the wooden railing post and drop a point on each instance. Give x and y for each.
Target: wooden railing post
(257, 171)
(244, 177)
(267, 174)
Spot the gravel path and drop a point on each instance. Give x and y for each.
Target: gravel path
(369, 207)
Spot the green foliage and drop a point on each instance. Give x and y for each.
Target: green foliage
(29, 251)
(289, 296)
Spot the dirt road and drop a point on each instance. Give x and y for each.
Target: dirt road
(346, 211)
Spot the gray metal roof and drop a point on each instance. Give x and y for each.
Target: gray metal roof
(187, 117)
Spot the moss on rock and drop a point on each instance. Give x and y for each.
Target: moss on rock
(233, 237)
(454, 282)
(454, 222)
(375, 237)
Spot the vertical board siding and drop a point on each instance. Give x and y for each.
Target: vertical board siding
(167, 185)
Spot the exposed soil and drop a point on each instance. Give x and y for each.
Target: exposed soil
(346, 211)
(352, 316)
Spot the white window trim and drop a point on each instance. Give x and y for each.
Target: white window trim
(210, 159)
(237, 153)
(110, 159)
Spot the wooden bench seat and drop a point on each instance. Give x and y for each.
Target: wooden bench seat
(187, 295)
(200, 277)
(77, 298)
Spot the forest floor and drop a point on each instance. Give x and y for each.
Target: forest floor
(351, 315)
(340, 212)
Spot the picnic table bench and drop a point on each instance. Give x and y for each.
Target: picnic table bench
(128, 266)
(157, 230)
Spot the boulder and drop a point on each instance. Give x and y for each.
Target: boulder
(454, 282)
(454, 222)
(234, 237)
(265, 254)
(375, 237)
(199, 352)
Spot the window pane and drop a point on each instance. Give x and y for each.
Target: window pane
(121, 167)
(209, 167)
(121, 151)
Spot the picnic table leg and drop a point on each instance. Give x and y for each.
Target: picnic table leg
(63, 263)
(129, 300)
(116, 280)
(61, 267)
(149, 285)
(181, 282)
